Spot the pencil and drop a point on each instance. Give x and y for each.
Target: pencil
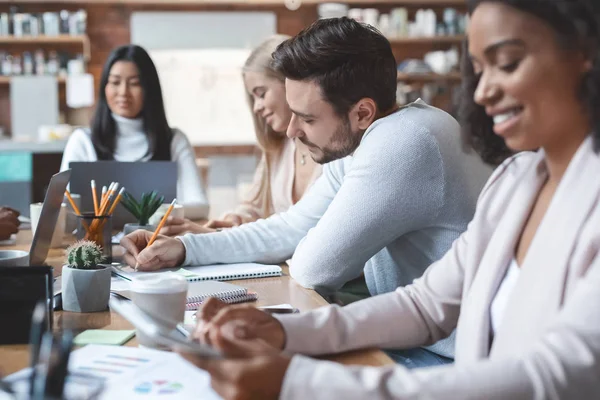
(159, 227)
(114, 205)
(162, 223)
(104, 189)
(75, 208)
(94, 196)
(109, 191)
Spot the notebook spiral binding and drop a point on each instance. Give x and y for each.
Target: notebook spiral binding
(232, 297)
(231, 277)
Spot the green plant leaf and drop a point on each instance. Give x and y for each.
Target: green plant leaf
(147, 206)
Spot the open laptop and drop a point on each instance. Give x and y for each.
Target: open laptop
(48, 218)
(135, 177)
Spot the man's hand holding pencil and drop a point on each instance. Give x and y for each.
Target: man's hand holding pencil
(149, 251)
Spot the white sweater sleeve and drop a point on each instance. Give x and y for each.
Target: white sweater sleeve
(563, 364)
(271, 240)
(190, 192)
(394, 185)
(79, 147)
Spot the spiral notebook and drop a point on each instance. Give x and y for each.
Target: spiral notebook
(218, 272)
(198, 292)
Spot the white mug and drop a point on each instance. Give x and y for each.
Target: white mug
(157, 216)
(71, 224)
(163, 297)
(35, 210)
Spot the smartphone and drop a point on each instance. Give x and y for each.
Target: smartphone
(158, 332)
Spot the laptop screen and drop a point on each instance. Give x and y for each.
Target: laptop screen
(135, 177)
(48, 218)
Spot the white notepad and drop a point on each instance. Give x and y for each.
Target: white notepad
(219, 272)
(199, 292)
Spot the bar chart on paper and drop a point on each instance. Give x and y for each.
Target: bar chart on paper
(134, 373)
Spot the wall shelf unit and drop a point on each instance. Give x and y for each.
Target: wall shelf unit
(5, 80)
(81, 40)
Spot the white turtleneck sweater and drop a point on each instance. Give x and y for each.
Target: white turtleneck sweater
(132, 145)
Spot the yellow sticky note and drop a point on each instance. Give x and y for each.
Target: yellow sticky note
(103, 336)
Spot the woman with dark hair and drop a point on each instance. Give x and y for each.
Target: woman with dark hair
(521, 285)
(130, 125)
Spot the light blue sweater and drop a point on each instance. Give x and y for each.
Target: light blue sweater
(391, 209)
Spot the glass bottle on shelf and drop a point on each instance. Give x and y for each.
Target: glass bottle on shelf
(27, 63)
(39, 62)
(81, 22)
(53, 64)
(17, 68)
(2, 57)
(64, 22)
(51, 24)
(7, 65)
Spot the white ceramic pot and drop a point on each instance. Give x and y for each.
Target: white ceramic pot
(85, 290)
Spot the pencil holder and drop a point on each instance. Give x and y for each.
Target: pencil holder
(98, 229)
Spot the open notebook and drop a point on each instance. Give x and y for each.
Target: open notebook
(219, 272)
(198, 292)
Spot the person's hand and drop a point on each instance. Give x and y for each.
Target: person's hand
(178, 226)
(215, 317)
(165, 252)
(9, 222)
(228, 222)
(253, 373)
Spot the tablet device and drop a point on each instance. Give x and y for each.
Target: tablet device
(158, 332)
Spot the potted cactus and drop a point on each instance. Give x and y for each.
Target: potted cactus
(85, 280)
(142, 210)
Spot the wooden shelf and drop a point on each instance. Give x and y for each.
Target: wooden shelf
(82, 40)
(5, 80)
(430, 77)
(247, 3)
(455, 39)
(42, 39)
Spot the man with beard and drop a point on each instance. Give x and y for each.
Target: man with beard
(397, 188)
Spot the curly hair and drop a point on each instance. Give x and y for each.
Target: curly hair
(577, 26)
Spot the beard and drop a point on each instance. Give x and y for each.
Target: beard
(343, 142)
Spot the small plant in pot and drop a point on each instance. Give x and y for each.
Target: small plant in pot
(142, 210)
(85, 280)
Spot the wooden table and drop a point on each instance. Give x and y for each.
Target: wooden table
(271, 291)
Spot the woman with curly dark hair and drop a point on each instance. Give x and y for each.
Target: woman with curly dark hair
(521, 285)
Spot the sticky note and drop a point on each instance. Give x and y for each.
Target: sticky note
(185, 273)
(103, 336)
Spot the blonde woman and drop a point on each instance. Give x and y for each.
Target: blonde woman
(286, 169)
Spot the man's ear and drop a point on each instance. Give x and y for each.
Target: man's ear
(363, 113)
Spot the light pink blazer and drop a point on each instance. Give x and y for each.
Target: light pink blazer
(283, 169)
(548, 343)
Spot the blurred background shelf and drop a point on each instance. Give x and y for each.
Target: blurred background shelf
(5, 80)
(58, 40)
(43, 39)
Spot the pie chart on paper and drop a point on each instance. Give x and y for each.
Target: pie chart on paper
(158, 387)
